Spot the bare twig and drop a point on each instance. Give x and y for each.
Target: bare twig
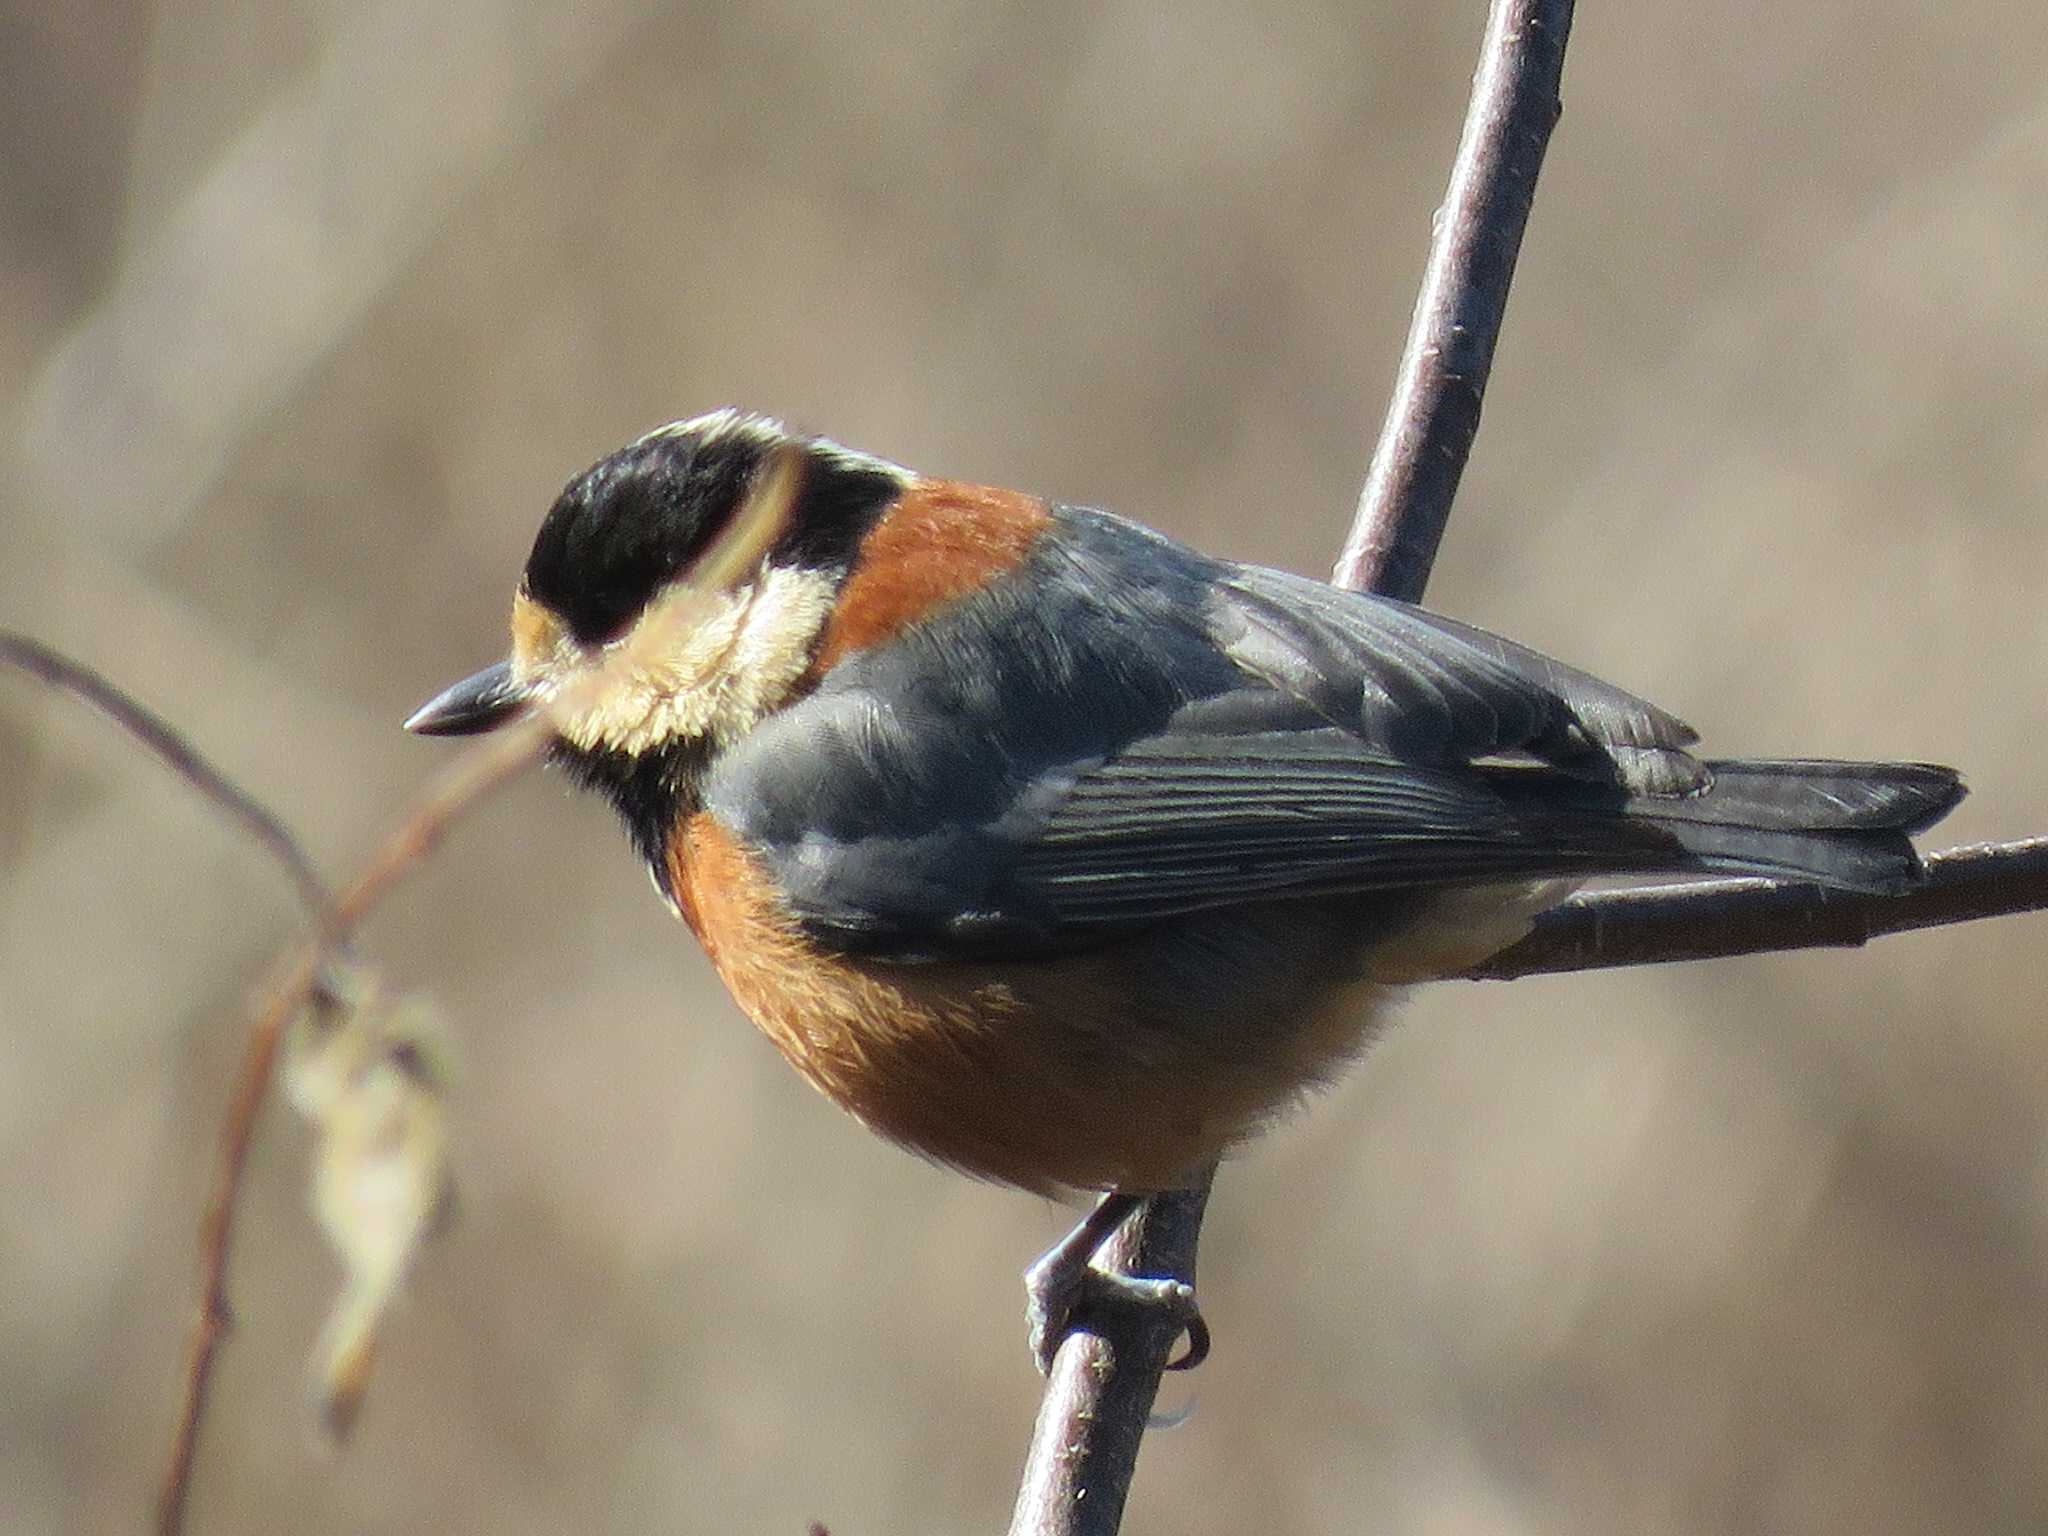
(456, 789)
(279, 1000)
(1080, 1467)
(466, 781)
(1092, 1420)
(461, 785)
(185, 760)
(1434, 413)
(1710, 919)
(169, 744)
(1103, 1386)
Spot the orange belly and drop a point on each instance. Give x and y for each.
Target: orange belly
(1131, 1065)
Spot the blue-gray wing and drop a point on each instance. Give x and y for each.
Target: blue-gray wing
(1425, 689)
(1125, 730)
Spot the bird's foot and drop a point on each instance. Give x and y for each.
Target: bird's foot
(1064, 1289)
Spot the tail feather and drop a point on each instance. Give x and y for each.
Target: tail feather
(1818, 795)
(1840, 824)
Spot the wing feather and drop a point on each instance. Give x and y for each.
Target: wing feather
(1125, 730)
(1176, 823)
(1429, 689)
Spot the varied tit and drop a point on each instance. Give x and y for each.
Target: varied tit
(1067, 855)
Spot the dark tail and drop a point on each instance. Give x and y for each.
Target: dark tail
(1839, 824)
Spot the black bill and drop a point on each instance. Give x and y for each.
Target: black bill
(474, 705)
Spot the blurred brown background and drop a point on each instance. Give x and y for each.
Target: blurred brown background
(309, 308)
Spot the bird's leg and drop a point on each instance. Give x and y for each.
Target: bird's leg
(1064, 1286)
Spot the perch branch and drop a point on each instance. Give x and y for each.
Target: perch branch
(1099, 1397)
(1076, 1481)
(1433, 414)
(1712, 919)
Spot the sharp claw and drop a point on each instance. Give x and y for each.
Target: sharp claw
(1197, 1330)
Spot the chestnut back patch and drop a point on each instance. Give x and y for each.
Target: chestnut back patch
(941, 541)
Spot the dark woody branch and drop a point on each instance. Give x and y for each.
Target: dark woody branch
(1712, 919)
(1433, 414)
(1103, 1384)
(1591, 932)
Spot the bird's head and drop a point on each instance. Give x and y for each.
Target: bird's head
(673, 596)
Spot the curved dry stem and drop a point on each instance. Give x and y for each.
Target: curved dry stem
(467, 780)
(456, 789)
(259, 1055)
(173, 748)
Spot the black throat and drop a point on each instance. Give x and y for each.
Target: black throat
(653, 792)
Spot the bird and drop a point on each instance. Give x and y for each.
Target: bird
(1062, 853)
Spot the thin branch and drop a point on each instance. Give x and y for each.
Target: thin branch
(461, 785)
(1096, 1406)
(280, 999)
(176, 751)
(1434, 413)
(1712, 919)
(466, 781)
(1079, 1472)
(80, 682)
(1092, 1420)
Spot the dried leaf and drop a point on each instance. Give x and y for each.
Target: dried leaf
(372, 1075)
